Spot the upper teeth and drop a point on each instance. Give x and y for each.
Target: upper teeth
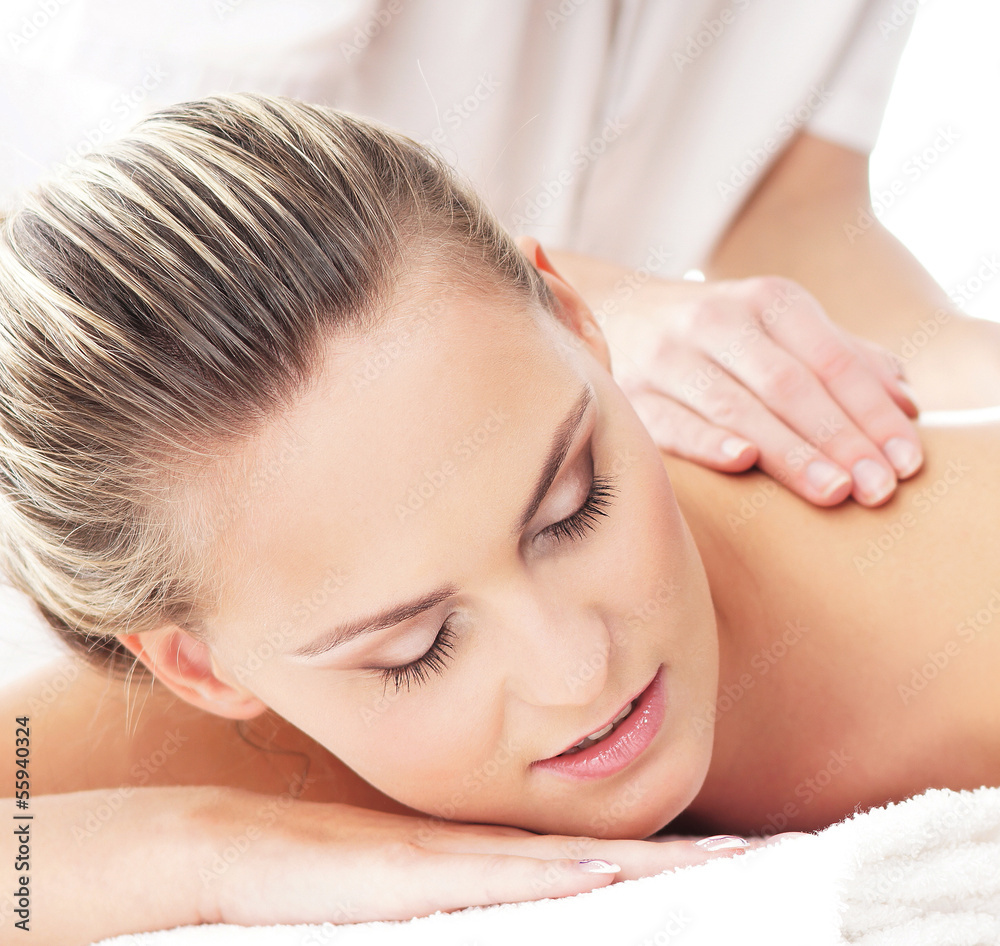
(601, 733)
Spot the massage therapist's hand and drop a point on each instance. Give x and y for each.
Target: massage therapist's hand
(752, 371)
(328, 862)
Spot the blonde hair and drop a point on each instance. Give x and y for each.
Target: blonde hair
(168, 295)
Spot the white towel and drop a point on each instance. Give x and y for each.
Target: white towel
(923, 872)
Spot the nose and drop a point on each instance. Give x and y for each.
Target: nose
(556, 647)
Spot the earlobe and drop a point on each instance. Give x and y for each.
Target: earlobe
(574, 312)
(188, 668)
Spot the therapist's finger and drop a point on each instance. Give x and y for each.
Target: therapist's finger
(890, 368)
(783, 452)
(684, 433)
(825, 419)
(857, 383)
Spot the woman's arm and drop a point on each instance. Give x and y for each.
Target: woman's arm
(101, 863)
(811, 220)
(109, 851)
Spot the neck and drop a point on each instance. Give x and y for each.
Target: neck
(700, 502)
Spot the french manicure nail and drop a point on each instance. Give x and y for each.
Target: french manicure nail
(902, 454)
(719, 842)
(874, 481)
(826, 477)
(594, 865)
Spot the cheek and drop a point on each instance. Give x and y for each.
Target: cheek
(403, 744)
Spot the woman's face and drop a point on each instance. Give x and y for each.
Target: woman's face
(413, 460)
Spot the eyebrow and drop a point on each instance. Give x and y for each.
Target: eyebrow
(561, 441)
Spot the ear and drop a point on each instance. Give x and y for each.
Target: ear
(188, 667)
(573, 312)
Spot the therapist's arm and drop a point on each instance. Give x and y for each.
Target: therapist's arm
(810, 220)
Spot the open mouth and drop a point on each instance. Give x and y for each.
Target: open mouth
(619, 742)
(587, 741)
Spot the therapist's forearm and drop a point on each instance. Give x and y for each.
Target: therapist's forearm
(810, 221)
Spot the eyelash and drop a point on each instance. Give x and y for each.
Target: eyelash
(576, 526)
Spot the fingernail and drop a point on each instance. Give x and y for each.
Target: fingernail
(735, 446)
(902, 454)
(594, 865)
(907, 390)
(719, 842)
(826, 477)
(874, 481)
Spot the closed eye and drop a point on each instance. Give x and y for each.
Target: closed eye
(573, 527)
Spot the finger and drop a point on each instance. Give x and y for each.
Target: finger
(891, 370)
(848, 378)
(825, 419)
(447, 881)
(680, 431)
(781, 452)
(636, 858)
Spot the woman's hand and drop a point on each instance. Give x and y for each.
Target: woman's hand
(741, 372)
(328, 862)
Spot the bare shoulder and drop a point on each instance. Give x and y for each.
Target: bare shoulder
(940, 524)
(90, 729)
(848, 615)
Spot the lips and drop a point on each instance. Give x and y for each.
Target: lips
(619, 748)
(608, 722)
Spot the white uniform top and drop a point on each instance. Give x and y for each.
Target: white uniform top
(628, 129)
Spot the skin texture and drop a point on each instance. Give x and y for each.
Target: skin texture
(785, 656)
(547, 645)
(763, 759)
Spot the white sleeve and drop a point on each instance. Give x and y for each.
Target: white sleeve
(860, 83)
